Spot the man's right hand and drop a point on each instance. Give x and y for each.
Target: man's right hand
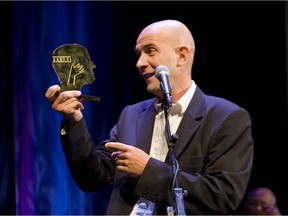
(67, 103)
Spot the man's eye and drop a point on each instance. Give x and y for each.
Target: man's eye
(84, 60)
(151, 51)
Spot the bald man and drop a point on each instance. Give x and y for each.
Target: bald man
(261, 201)
(213, 149)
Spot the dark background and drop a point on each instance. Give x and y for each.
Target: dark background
(240, 55)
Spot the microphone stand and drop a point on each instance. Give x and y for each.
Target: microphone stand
(177, 191)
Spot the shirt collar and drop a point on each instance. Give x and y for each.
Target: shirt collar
(187, 97)
(183, 101)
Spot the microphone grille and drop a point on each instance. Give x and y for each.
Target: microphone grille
(161, 69)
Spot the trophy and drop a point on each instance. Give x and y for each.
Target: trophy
(74, 68)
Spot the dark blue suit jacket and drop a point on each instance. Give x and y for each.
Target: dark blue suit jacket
(214, 152)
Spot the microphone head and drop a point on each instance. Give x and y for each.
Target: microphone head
(161, 69)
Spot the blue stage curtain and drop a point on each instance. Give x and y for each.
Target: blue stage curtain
(34, 174)
(43, 183)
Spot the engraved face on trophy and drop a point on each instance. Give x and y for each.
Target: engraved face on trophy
(73, 66)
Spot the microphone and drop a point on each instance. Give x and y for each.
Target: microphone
(162, 74)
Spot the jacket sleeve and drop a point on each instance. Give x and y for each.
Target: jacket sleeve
(91, 167)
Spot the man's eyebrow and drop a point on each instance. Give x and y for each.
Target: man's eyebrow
(149, 45)
(145, 46)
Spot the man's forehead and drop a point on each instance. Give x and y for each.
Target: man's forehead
(147, 40)
(261, 197)
(152, 41)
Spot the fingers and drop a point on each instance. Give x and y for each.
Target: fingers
(67, 105)
(65, 96)
(122, 161)
(120, 152)
(63, 99)
(116, 154)
(117, 146)
(51, 93)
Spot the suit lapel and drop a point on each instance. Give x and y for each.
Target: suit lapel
(186, 130)
(190, 122)
(145, 124)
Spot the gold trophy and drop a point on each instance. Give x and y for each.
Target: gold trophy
(74, 68)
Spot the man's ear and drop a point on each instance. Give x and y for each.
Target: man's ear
(183, 54)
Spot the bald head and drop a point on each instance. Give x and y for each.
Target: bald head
(262, 193)
(172, 31)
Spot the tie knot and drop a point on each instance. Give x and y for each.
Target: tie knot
(176, 109)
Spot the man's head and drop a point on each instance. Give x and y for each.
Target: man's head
(261, 201)
(169, 43)
(73, 66)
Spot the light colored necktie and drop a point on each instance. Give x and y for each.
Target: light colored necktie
(175, 109)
